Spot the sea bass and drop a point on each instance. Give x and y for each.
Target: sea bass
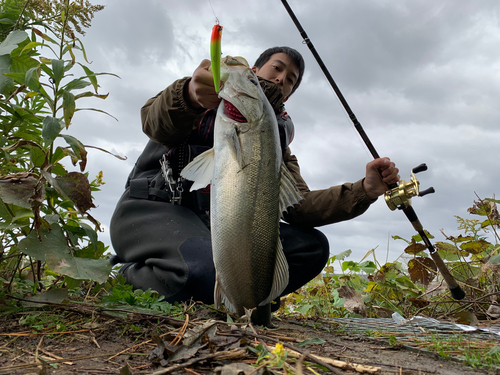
(250, 188)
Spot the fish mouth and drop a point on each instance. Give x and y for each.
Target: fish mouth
(233, 113)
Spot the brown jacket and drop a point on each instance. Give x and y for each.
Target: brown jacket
(168, 120)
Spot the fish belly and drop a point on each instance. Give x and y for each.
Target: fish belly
(245, 221)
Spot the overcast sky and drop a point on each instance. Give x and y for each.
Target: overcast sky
(422, 77)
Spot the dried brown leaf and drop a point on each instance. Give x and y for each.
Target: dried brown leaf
(421, 270)
(353, 300)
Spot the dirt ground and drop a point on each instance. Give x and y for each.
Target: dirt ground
(101, 344)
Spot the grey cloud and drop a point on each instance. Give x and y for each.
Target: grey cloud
(134, 32)
(422, 77)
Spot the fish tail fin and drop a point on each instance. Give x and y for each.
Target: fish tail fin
(289, 193)
(217, 294)
(200, 170)
(281, 276)
(219, 297)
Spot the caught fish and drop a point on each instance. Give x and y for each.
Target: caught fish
(251, 187)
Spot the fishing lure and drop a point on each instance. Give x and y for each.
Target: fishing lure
(215, 53)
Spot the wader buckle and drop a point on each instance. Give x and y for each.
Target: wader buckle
(175, 187)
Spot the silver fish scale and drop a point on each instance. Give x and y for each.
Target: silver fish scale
(245, 215)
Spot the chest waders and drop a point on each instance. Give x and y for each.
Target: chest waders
(160, 231)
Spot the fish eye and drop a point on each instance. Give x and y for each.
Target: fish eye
(254, 81)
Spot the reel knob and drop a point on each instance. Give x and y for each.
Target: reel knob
(426, 191)
(421, 168)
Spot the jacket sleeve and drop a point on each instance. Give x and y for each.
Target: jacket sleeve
(327, 206)
(166, 118)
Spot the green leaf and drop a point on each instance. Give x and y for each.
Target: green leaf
(58, 154)
(6, 83)
(494, 259)
(314, 341)
(448, 251)
(37, 156)
(51, 129)
(50, 241)
(418, 237)
(368, 266)
(30, 46)
(11, 42)
(5, 214)
(77, 84)
(91, 76)
(401, 238)
(351, 265)
(18, 189)
(338, 302)
(344, 254)
(79, 268)
(44, 36)
(54, 250)
(31, 78)
(22, 214)
(305, 308)
(475, 247)
(57, 295)
(92, 234)
(58, 70)
(79, 150)
(69, 107)
(96, 110)
(89, 94)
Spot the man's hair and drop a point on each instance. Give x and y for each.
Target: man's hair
(293, 54)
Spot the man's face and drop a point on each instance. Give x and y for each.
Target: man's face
(280, 70)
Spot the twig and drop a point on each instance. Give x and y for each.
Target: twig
(53, 356)
(42, 333)
(37, 350)
(133, 347)
(8, 370)
(73, 307)
(177, 339)
(219, 355)
(299, 363)
(313, 358)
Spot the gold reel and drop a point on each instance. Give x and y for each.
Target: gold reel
(401, 195)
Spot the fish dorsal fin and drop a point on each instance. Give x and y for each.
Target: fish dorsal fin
(281, 276)
(200, 170)
(289, 193)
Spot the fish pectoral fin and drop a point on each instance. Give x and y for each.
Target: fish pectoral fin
(200, 170)
(289, 193)
(281, 276)
(235, 146)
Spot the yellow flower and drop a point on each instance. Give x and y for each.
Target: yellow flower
(279, 351)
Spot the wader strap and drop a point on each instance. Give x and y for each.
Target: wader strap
(140, 189)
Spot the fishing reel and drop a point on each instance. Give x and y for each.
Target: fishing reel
(401, 194)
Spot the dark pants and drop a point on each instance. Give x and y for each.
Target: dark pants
(167, 248)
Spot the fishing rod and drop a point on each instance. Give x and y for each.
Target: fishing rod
(399, 194)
